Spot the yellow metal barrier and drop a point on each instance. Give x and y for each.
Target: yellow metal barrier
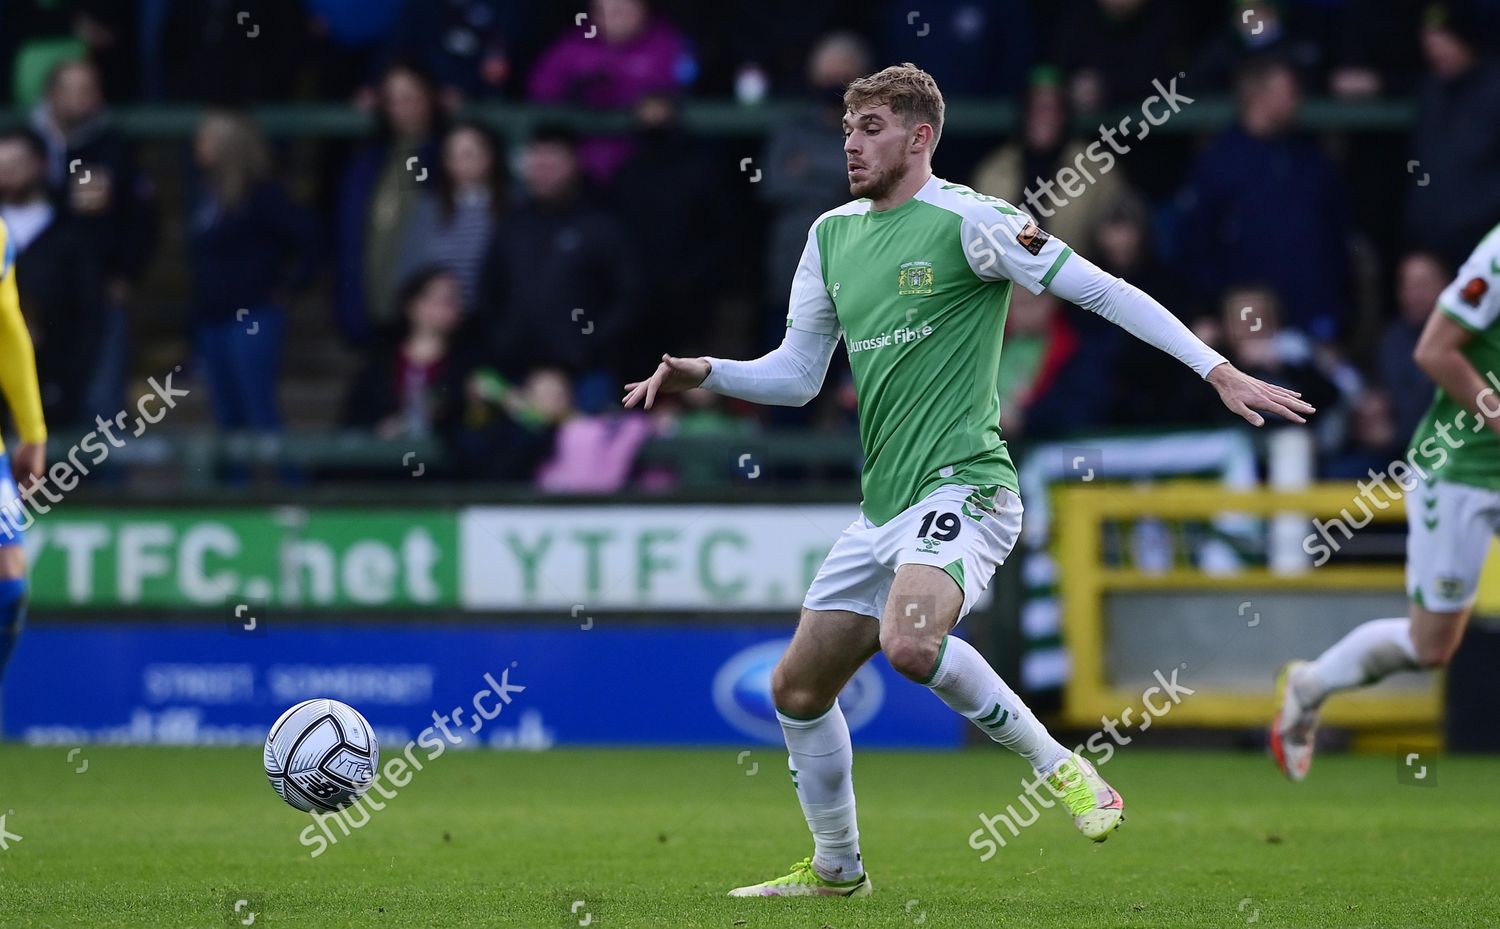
(1085, 582)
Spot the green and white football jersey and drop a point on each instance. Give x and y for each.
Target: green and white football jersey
(1473, 301)
(920, 293)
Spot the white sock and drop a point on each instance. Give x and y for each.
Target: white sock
(967, 683)
(821, 758)
(1368, 653)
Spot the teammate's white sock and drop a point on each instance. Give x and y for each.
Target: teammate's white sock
(967, 683)
(1368, 653)
(822, 761)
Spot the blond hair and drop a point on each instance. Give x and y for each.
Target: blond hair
(243, 160)
(910, 92)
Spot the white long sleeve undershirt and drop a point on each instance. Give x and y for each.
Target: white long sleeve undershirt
(1082, 282)
(789, 375)
(792, 374)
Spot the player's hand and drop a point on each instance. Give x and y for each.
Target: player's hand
(1244, 395)
(28, 461)
(672, 376)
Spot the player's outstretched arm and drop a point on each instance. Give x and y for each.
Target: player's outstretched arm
(790, 375)
(1127, 306)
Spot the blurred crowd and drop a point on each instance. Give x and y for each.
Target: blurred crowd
(497, 292)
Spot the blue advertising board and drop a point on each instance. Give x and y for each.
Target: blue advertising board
(158, 683)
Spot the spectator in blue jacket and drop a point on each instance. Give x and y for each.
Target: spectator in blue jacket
(249, 248)
(1262, 202)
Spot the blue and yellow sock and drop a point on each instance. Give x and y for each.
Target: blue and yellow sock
(12, 616)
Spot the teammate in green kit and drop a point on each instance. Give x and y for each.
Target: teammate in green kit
(1452, 488)
(916, 276)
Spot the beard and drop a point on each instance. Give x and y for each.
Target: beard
(877, 186)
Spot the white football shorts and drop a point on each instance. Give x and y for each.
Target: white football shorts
(1449, 527)
(954, 528)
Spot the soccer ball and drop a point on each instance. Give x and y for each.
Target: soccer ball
(321, 756)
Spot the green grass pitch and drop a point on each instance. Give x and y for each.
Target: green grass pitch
(172, 837)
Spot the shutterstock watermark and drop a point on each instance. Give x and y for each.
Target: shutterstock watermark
(1070, 179)
(1101, 744)
(66, 472)
(1408, 473)
(487, 704)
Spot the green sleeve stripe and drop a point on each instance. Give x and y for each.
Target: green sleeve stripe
(1056, 266)
(1453, 315)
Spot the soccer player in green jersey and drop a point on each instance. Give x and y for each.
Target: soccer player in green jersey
(1452, 512)
(916, 275)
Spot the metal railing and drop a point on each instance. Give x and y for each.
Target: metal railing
(1090, 588)
(196, 463)
(965, 117)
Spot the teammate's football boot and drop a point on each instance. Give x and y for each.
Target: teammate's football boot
(805, 882)
(1294, 730)
(1097, 808)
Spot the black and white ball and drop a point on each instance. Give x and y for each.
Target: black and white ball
(321, 756)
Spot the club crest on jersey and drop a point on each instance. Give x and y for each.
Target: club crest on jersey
(1032, 238)
(915, 277)
(1450, 588)
(1474, 291)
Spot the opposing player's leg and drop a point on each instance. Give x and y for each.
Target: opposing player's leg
(1367, 654)
(930, 594)
(12, 565)
(827, 649)
(12, 600)
(1449, 528)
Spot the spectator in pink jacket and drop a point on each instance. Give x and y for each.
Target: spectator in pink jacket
(590, 454)
(615, 58)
